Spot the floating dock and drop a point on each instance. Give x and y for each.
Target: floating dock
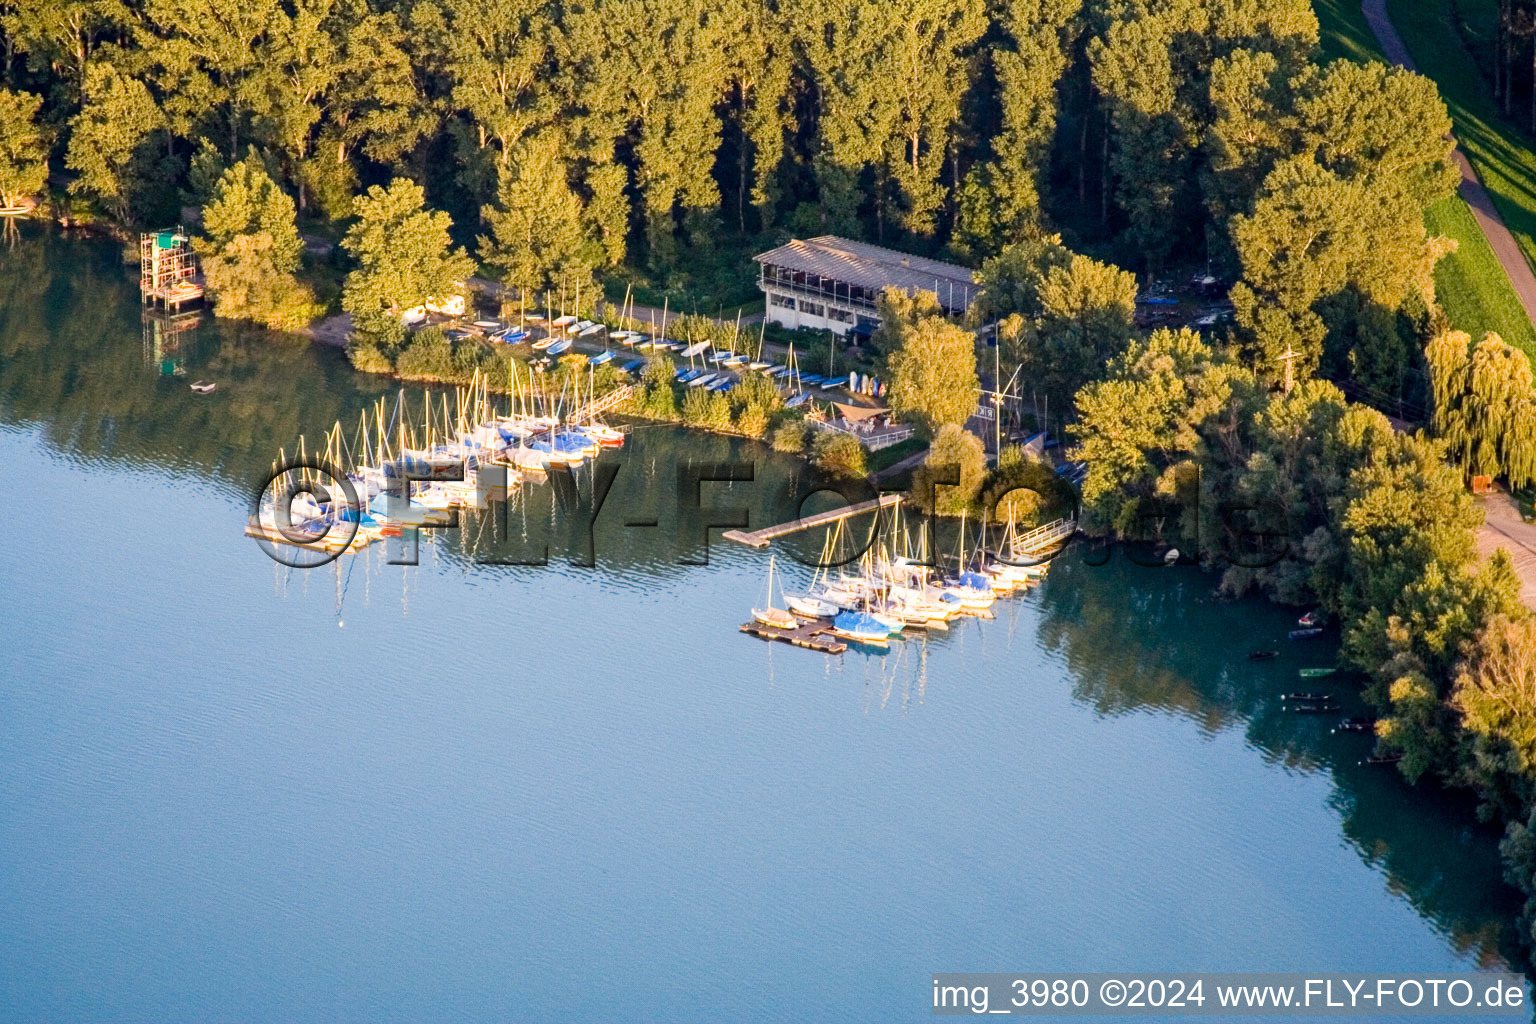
(760, 538)
(811, 635)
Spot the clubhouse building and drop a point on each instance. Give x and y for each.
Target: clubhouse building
(833, 283)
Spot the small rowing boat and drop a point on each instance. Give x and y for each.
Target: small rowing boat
(1356, 725)
(1316, 673)
(1383, 759)
(1309, 698)
(1262, 655)
(1305, 634)
(203, 387)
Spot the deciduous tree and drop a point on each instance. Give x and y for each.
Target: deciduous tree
(23, 147)
(403, 253)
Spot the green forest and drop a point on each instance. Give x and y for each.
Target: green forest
(662, 143)
(1071, 151)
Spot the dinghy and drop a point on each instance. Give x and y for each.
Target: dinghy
(203, 387)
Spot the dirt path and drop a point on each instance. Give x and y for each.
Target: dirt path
(641, 314)
(1504, 246)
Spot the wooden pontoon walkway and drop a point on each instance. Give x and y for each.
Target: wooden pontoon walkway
(760, 538)
(811, 634)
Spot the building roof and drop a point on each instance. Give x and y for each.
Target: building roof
(875, 267)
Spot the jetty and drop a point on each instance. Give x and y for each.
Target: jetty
(1045, 538)
(811, 634)
(760, 538)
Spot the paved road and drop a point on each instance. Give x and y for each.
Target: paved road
(1505, 248)
(1504, 528)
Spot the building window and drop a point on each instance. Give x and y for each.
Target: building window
(781, 300)
(812, 308)
(842, 316)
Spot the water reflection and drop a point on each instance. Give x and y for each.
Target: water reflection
(103, 384)
(1139, 639)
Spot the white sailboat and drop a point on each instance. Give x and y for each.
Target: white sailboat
(770, 615)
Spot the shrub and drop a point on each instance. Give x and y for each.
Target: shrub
(367, 355)
(838, 453)
(707, 409)
(954, 446)
(789, 436)
(428, 355)
(752, 421)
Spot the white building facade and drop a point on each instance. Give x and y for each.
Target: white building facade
(832, 283)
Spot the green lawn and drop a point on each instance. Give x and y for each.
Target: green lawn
(1469, 283)
(1500, 152)
(1344, 31)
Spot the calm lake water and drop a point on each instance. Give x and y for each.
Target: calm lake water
(368, 792)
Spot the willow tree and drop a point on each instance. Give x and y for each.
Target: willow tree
(1485, 409)
(23, 147)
